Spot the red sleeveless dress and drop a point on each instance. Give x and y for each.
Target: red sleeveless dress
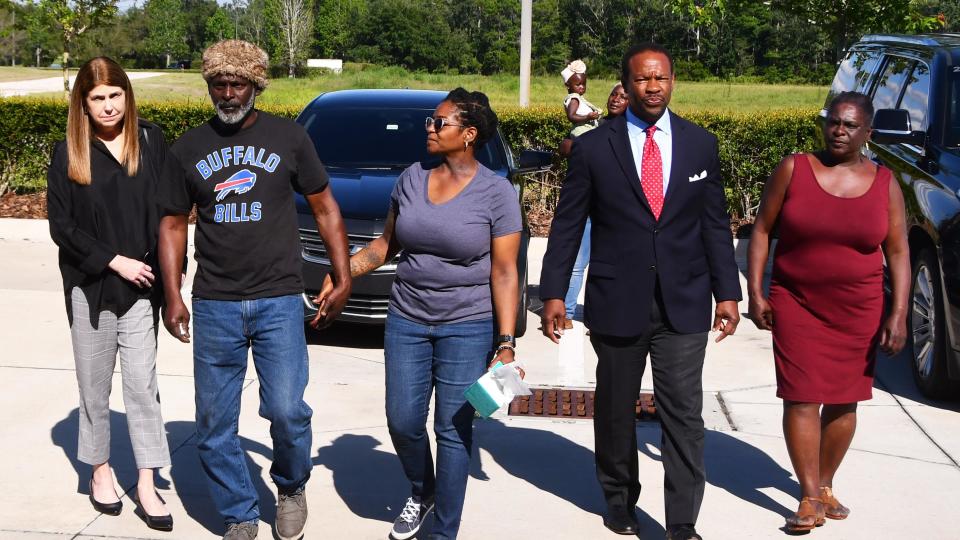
(826, 290)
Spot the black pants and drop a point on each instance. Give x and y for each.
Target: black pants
(677, 361)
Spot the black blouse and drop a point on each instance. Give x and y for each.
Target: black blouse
(115, 214)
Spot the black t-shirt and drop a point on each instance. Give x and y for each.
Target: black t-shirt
(247, 242)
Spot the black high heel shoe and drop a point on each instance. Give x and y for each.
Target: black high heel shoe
(159, 523)
(110, 509)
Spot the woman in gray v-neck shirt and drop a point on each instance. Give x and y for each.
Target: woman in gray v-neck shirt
(458, 224)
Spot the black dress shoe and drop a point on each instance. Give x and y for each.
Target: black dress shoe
(621, 521)
(110, 509)
(683, 532)
(159, 523)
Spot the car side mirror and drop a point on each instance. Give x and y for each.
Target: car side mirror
(893, 126)
(533, 161)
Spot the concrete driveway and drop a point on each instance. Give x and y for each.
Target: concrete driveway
(55, 84)
(530, 477)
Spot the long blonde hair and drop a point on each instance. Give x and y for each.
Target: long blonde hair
(100, 70)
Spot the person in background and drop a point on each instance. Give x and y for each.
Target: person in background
(453, 303)
(839, 216)
(103, 216)
(581, 113)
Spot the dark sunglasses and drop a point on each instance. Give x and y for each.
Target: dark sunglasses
(437, 123)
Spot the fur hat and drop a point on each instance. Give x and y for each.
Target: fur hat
(236, 57)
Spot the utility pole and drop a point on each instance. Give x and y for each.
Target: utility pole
(526, 21)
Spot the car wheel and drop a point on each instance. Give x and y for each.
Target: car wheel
(522, 307)
(929, 361)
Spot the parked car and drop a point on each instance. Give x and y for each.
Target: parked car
(914, 82)
(366, 138)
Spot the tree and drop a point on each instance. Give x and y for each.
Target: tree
(219, 26)
(166, 29)
(11, 33)
(699, 14)
(41, 36)
(492, 30)
(551, 38)
(293, 23)
(254, 22)
(74, 17)
(336, 24)
(844, 21)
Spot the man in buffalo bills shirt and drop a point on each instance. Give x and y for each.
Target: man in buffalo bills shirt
(241, 169)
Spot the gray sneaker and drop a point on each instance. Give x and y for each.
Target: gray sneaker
(410, 519)
(291, 515)
(242, 531)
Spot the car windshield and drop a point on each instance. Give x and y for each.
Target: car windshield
(368, 138)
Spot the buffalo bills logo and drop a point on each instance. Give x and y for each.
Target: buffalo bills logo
(241, 182)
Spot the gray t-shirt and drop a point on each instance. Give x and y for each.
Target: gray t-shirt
(444, 271)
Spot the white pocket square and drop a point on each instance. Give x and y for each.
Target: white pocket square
(701, 176)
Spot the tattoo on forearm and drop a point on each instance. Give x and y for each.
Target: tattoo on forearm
(365, 261)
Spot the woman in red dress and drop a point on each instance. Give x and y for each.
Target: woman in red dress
(839, 214)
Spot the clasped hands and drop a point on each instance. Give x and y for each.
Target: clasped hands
(330, 302)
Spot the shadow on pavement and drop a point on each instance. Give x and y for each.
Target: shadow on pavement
(736, 467)
(895, 375)
(368, 480)
(185, 470)
(191, 482)
(353, 336)
(550, 463)
(64, 434)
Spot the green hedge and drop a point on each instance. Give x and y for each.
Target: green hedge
(750, 145)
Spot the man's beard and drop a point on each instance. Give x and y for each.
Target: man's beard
(239, 114)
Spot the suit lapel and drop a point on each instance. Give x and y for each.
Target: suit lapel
(678, 182)
(620, 144)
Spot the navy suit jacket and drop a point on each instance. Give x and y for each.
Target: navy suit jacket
(690, 248)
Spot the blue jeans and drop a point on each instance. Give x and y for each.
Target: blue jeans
(419, 358)
(223, 331)
(576, 277)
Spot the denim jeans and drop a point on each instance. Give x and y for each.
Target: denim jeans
(223, 331)
(576, 277)
(419, 359)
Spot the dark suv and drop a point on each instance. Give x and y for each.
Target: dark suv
(914, 82)
(366, 138)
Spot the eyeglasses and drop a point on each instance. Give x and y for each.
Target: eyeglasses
(437, 123)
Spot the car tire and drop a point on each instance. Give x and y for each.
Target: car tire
(928, 338)
(524, 303)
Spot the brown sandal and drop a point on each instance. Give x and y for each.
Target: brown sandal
(831, 506)
(809, 515)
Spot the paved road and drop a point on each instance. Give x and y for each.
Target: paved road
(530, 477)
(55, 84)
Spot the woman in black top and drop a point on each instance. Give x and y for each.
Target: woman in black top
(103, 216)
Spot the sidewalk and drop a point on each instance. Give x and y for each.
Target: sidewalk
(530, 477)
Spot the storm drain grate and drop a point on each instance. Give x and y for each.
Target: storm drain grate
(568, 403)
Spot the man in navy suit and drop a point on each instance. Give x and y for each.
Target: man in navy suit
(661, 250)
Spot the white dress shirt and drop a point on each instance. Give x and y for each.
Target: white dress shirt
(663, 137)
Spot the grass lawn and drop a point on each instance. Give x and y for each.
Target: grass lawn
(18, 73)
(545, 91)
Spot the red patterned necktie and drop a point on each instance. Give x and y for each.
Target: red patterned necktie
(651, 173)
